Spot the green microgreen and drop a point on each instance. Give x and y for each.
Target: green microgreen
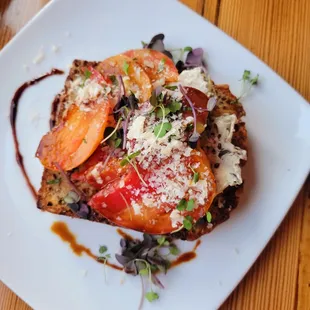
(161, 129)
(209, 217)
(151, 296)
(87, 74)
(54, 181)
(196, 175)
(143, 43)
(144, 272)
(182, 205)
(126, 160)
(174, 250)
(171, 87)
(125, 67)
(174, 106)
(247, 82)
(190, 205)
(160, 113)
(187, 49)
(161, 240)
(102, 249)
(188, 222)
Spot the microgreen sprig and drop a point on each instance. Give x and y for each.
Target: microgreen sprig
(247, 83)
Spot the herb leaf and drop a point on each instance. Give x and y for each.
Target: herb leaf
(254, 81)
(127, 158)
(187, 49)
(53, 181)
(209, 217)
(161, 240)
(174, 106)
(159, 112)
(125, 67)
(246, 75)
(188, 222)
(182, 205)
(87, 74)
(144, 272)
(190, 205)
(151, 296)
(161, 129)
(102, 249)
(174, 250)
(171, 87)
(196, 177)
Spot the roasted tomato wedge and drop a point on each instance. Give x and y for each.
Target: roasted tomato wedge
(134, 77)
(127, 201)
(76, 138)
(158, 66)
(200, 102)
(101, 168)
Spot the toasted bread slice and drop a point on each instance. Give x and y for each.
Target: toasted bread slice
(51, 193)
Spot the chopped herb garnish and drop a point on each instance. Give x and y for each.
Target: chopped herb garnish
(126, 160)
(102, 249)
(161, 240)
(188, 222)
(161, 65)
(151, 296)
(187, 49)
(209, 217)
(53, 181)
(125, 67)
(161, 129)
(182, 205)
(84, 140)
(174, 250)
(171, 87)
(190, 205)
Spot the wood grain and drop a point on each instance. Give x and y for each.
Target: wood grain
(277, 31)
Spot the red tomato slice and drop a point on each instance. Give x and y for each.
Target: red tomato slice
(159, 67)
(121, 202)
(134, 77)
(76, 138)
(200, 102)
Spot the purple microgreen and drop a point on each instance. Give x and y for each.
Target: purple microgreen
(157, 282)
(125, 129)
(194, 58)
(157, 43)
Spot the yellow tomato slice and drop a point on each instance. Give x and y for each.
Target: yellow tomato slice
(75, 139)
(159, 67)
(134, 77)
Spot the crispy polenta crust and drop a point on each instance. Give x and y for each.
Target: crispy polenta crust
(50, 196)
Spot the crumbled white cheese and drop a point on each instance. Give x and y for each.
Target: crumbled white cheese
(229, 171)
(194, 78)
(136, 207)
(95, 173)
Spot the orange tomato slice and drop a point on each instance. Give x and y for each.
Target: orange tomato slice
(159, 67)
(134, 77)
(121, 203)
(75, 139)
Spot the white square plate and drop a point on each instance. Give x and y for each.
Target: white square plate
(42, 269)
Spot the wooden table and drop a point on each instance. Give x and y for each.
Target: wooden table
(277, 31)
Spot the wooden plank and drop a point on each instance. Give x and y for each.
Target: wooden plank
(196, 5)
(211, 10)
(276, 31)
(304, 260)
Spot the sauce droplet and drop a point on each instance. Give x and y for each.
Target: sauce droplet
(61, 229)
(124, 235)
